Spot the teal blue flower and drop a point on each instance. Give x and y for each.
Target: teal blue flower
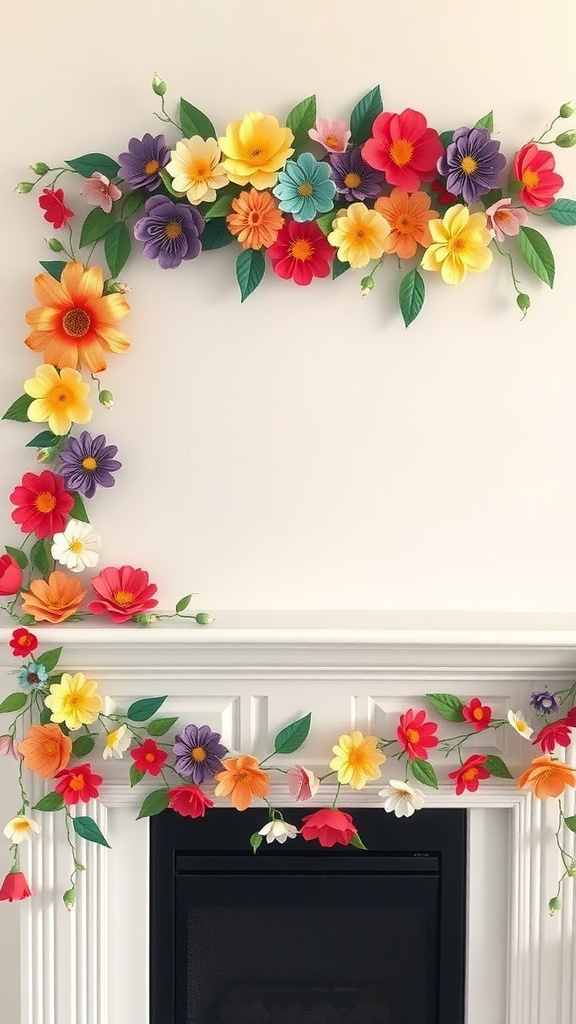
(32, 675)
(305, 188)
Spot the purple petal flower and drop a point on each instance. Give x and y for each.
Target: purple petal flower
(88, 462)
(544, 702)
(198, 752)
(142, 163)
(472, 164)
(353, 177)
(170, 232)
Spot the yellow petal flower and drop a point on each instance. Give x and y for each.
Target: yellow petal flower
(74, 701)
(460, 242)
(357, 759)
(359, 234)
(255, 149)
(196, 169)
(59, 398)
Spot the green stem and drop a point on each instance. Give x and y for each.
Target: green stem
(166, 118)
(546, 130)
(508, 257)
(335, 801)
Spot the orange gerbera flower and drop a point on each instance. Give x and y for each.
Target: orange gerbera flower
(46, 750)
(547, 777)
(256, 219)
(55, 600)
(242, 780)
(75, 323)
(408, 215)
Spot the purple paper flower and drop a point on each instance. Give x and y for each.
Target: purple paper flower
(170, 231)
(472, 164)
(88, 462)
(353, 177)
(142, 163)
(544, 702)
(198, 751)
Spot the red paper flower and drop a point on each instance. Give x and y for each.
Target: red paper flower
(79, 783)
(55, 210)
(301, 252)
(415, 734)
(189, 801)
(470, 774)
(23, 642)
(42, 504)
(535, 169)
(571, 718)
(14, 887)
(329, 826)
(554, 733)
(477, 714)
(444, 196)
(404, 148)
(10, 576)
(149, 758)
(123, 593)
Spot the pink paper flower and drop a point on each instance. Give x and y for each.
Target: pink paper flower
(333, 135)
(505, 219)
(122, 593)
(7, 747)
(99, 191)
(302, 783)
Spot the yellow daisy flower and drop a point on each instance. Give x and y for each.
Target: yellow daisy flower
(459, 243)
(357, 760)
(74, 701)
(255, 149)
(196, 169)
(59, 398)
(359, 234)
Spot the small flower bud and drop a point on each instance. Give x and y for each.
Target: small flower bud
(554, 905)
(112, 287)
(366, 285)
(204, 618)
(23, 187)
(69, 898)
(566, 140)
(106, 398)
(571, 870)
(567, 109)
(46, 454)
(523, 302)
(39, 168)
(145, 620)
(54, 244)
(158, 85)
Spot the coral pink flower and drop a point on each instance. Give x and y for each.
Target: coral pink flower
(477, 714)
(189, 801)
(470, 774)
(7, 746)
(333, 135)
(10, 576)
(79, 783)
(329, 826)
(55, 210)
(404, 148)
(302, 783)
(149, 758)
(552, 734)
(301, 252)
(415, 734)
(23, 642)
(42, 504)
(505, 219)
(535, 169)
(123, 593)
(100, 191)
(14, 887)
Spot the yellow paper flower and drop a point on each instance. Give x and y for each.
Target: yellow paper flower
(357, 760)
(359, 234)
(59, 398)
(459, 243)
(255, 149)
(74, 701)
(196, 169)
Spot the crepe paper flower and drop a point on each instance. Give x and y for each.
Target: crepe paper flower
(444, 197)
(14, 887)
(55, 210)
(7, 746)
(357, 759)
(571, 718)
(196, 170)
(149, 757)
(98, 190)
(544, 703)
(305, 188)
(170, 232)
(553, 733)
(88, 462)
(534, 167)
(198, 752)
(278, 831)
(23, 642)
(459, 244)
(59, 398)
(55, 600)
(21, 828)
(505, 219)
(408, 216)
(401, 798)
(415, 735)
(404, 148)
(470, 774)
(255, 220)
(255, 149)
(301, 252)
(353, 177)
(117, 743)
(303, 784)
(10, 576)
(143, 161)
(329, 826)
(122, 593)
(45, 749)
(547, 778)
(189, 801)
(334, 136)
(76, 321)
(77, 547)
(74, 701)
(79, 783)
(42, 503)
(479, 715)
(241, 781)
(472, 164)
(359, 235)
(31, 676)
(519, 723)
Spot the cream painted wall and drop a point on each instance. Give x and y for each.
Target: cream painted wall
(303, 450)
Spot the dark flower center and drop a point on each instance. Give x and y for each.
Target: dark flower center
(76, 323)
(173, 229)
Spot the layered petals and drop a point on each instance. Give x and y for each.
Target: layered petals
(547, 778)
(45, 749)
(55, 600)
(357, 759)
(42, 504)
(255, 149)
(404, 148)
(301, 252)
(408, 216)
(359, 235)
(534, 167)
(59, 398)
(460, 243)
(241, 781)
(196, 169)
(123, 593)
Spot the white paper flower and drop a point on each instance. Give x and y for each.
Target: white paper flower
(518, 722)
(20, 828)
(77, 547)
(402, 798)
(278, 830)
(117, 743)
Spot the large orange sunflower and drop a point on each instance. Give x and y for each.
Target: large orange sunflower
(75, 323)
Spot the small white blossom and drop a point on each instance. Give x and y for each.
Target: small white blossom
(278, 830)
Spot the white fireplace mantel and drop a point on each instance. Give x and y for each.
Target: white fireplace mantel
(247, 675)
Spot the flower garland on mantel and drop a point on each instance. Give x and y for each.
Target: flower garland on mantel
(384, 184)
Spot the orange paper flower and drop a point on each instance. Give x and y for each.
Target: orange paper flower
(408, 216)
(242, 780)
(46, 750)
(55, 600)
(547, 777)
(256, 219)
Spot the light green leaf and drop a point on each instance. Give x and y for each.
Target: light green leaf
(486, 122)
(447, 705)
(83, 745)
(132, 201)
(293, 736)
(40, 556)
(135, 775)
(195, 122)
(300, 119)
(363, 116)
(87, 828)
(256, 841)
(570, 822)
(250, 267)
(538, 255)
(357, 842)
(50, 658)
(143, 709)
(26, 620)
(411, 296)
(424, 773)
(18, 411)
(78, 510)
(183, 603)
(215, 235)
(90, 162)
(167, 182)
(154, 803)
(160, 726)
(53, 267)
(221, 207)
(325, 221)
(563, 211)
(96, 226)
(50, 802)
(18, 555)
(13, 702)
(339, 268)
(117, 247)
(495, 765)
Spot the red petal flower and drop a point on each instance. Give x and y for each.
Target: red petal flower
(123, 593)
(149, 758)
(329, 826)
(14, 887)
(477, 714)
(55, 210)
(301, 252)
(416, 735)
(79, 783)
(554, 733)
(23, 642)
(189, 801)
(42, 504)
(404, 148)
(10, 576)
(470, 774)
(534, 167)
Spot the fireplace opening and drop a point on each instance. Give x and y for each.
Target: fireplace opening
(298, 934)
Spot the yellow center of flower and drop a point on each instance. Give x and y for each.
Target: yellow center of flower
(59, 395)
(530, 178)
(173, 229)
(306, 189)
(456, 244)
(150, 758)
(412, 735)
(301, 249)
(468, 164)
(23, 641)
(76, 547)
(123, 596)
(89, 463)
(72, 700)
(405, 226)
(151, 167)
(352, 180)
(20, 826)
(478, 714)
(360, 234)
(45, 502)
(76, 323)
(521, 726)
(77, 783)
(242, 776)
(332, 142)
(200, 171)
(470, 774)
(50, 748)
(199, 754)
(400, 152)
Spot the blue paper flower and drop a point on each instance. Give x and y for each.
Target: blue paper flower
(32, 675)
(305, 188)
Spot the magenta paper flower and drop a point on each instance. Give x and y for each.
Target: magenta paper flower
(505, 219)
(333, 135)
(100, 191)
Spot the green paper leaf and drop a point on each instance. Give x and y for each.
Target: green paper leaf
(96, 226)
(221, 207)
(54, 267)
(167, 182)
(256, 841)
(84, 745)
(141, 710)
(447, 705)
(250, 267)
(424, 773)
(45, 716)
(563, 211)
(155, 803)
(570, 822)
(357, 842)
(446, 137)
(18, 555)
(135, 775)
(293, 736)
(50, 659)
(339, 268)
(300, 119)
(486, 122)
(160, 726)
(495, 765)
(26, 620)
(50, 802)
(89, 163)
(18, 411)
(117, 247)
(194, 122)
(411, 296)
(41, 557)
(183, 603)
(87, 828)
(45, 439)
(132, 201)
(363, 115)
(326, 220)
(13, 702)
(78, 510)
(215, 234)
(538, 255)
(491, 197)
